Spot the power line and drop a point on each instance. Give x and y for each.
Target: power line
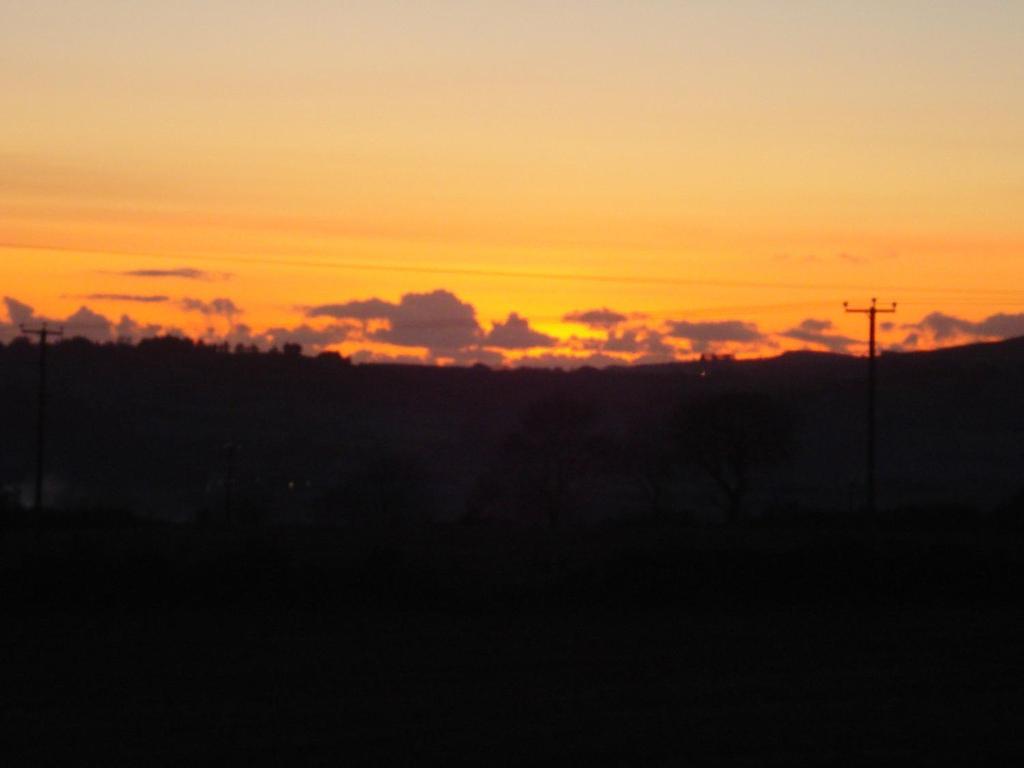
(484, 272)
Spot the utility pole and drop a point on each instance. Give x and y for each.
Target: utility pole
(229, 480)
(871, 312)
(44, 332)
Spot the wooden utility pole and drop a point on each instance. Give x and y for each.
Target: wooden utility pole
(871, 312)
(229, 480)
(44, 332)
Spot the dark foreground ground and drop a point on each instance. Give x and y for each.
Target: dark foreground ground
(165, 646)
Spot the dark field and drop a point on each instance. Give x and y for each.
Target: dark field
(165, 645)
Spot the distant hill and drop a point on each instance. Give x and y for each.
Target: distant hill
(158, 428)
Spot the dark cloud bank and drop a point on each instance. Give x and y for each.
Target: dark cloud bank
(596, 318)
(818, 332)
(439, 322)
(705, 335)
(437, 326)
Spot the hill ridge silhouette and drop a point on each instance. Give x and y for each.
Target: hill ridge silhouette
(144, 427)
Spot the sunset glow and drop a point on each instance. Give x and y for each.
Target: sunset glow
(717, 177)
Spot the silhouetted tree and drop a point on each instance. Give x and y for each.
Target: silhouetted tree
(730, 436)
(167, 348)
(552, 449)
(647, 457)
(381, 487)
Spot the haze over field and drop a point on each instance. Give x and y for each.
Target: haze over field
(479, 181)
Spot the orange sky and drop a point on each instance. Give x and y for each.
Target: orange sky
(681, 164)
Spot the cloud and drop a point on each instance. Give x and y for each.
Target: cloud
(703, 336)
(125, 298)
(654, 344)
(85, 322)
(437, 321)
(1001, 326)
(909, 343)
(810, 325)
(130, 330)
(627, 341)
(438, 318)
(92, 325)
(642, 341)
(89, 324)
(816, 332)
(516, 333)
(17, 312)
(312, 339)
(369, 309)
(424, 316)
(943, 327)
(213, 308)
(595, 318)
(183, 273)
